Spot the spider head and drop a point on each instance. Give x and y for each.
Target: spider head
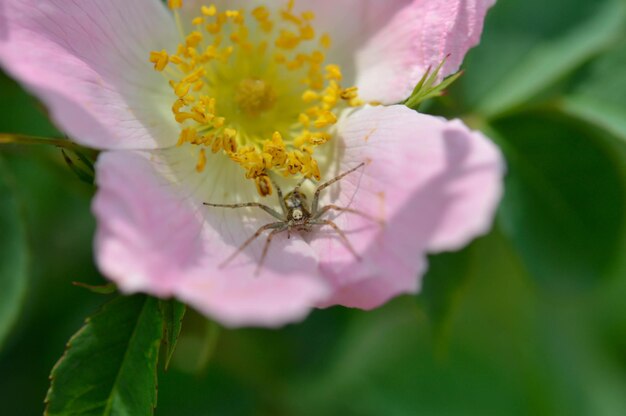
(297, 214)
(297, 207)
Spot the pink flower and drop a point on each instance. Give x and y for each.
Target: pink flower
(434, 183)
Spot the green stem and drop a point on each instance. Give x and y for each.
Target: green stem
(8, 138)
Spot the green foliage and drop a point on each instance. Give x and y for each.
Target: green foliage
(599, 95)
(565, 214)
(598, 112)
(109, 367)
(443, 285)
(528, 320)
(14, 253)
(21, 113)
(533, 45)
(172, 312)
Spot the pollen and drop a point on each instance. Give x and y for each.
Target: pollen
(253, 86)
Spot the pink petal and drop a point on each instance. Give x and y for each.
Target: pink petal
(385, 47)
(363, 16)
(155, 236)
(435, 184)
(88, 62)
(396, 56)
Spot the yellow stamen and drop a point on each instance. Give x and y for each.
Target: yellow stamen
(175, 4)
(254, 88)
(261, 14)
(349, 93)
(325, 119)
(209, 11)
(309, 96)
(159, 59)
(333, 72)
(201, 161)
(263, 185)
(325, 41)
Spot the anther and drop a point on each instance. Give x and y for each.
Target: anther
(175, 4)
(264, 83)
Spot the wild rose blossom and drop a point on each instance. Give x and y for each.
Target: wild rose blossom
(205, 102)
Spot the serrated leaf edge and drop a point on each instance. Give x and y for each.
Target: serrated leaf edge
(68, 346)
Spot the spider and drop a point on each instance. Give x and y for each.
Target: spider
(296, 215)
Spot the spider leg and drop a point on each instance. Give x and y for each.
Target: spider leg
(273, 225)
(265, 208)
(297, 188)
(342, 236)
(266, 247)
(327, 208)
(314, 205)
(279, 194)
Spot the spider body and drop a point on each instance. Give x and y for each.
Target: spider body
(296, 215)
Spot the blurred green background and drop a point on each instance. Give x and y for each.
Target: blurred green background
(529, 320)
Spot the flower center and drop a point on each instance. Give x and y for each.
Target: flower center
(255, 96)
(254, 87)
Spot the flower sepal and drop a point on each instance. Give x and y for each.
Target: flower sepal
(81, 161)
(427, 87)
(106, 289)
(80, 164)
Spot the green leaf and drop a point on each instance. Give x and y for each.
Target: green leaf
(600, 113)
(564, 207)
(599, 95)
(14, 257)
(533, 45)
(196, 346)
(21, 112)
(109, 367)
(442, 286)
(105, 289)
(173, 313)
